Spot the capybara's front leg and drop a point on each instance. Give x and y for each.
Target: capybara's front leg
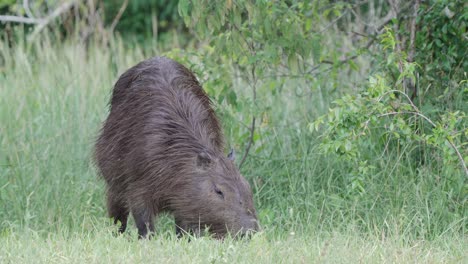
(144, 222)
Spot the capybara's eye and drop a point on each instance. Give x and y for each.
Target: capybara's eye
(219, 192)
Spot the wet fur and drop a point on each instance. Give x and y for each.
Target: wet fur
(161, 149)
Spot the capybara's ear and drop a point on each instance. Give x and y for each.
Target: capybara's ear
(232, 155)
(203, 160)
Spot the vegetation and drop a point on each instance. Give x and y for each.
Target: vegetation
(350, 120)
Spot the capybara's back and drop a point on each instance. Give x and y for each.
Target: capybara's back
(161, 149)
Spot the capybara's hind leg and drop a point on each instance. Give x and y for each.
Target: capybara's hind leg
(144, 222)
(117, 209)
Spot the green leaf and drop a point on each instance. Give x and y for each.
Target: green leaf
(183, 10)
(353, 65)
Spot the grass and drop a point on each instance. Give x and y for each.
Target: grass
(53, 98)
(99, 246)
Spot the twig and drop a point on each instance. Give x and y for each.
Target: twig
(331, 23)
(404, 94)
(409, 112)
(252, 126)
(413, 31)
(345, 60)
(22, 20)
(386, 19)
(26, 8)
(392, 13)
(251, 48)
(42, 22)
(247, 149)
(154, 25)
(394, 6)
(412, 44)
(61, 9)
(118, 16)
(29, 19)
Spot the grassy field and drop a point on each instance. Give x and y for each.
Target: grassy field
(53, 98)
(99, 246)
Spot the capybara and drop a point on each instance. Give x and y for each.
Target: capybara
(161, 149)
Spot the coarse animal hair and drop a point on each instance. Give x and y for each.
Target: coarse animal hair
(161, 149)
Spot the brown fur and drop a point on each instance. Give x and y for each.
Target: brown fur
(161, 149)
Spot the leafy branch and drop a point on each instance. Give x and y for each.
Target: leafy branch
(418, 113)
(346, 126)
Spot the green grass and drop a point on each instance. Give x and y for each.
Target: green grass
(53, 98)
(99, 246)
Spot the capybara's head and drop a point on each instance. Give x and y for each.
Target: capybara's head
(219, 199)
